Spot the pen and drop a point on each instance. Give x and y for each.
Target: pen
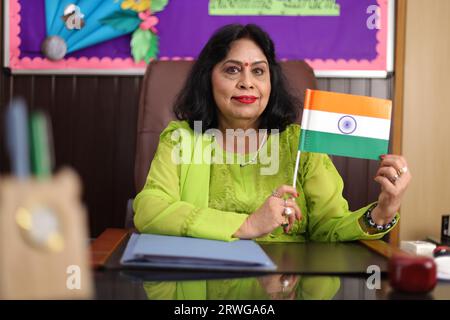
(40, 145)
(17, 138)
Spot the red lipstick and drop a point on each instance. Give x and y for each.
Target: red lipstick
(246, 99)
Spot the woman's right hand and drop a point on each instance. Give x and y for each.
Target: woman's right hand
(271, 215)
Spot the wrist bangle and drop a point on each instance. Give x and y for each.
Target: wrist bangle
(371, 223)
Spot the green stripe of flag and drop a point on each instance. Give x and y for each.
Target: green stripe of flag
(343, 145)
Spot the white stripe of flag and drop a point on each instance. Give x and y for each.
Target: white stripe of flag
(368, 127)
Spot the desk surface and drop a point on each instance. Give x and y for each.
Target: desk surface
(148, 285)
(307, 270)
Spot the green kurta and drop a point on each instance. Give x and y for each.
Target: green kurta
(212, 200)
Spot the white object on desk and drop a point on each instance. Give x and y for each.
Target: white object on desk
(420, 248)
(443, 267)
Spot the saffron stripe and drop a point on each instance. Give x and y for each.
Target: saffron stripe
(348, 104)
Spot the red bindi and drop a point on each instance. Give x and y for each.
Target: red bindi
(246, 64)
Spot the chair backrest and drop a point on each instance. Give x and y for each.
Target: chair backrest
(163, 81)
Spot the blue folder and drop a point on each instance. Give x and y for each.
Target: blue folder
(150, 250)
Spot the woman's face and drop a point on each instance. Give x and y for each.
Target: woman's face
(241, 84)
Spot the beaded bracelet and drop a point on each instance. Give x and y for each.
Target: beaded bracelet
(370, 222)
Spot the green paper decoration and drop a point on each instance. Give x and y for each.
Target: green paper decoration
(144, 45)
(123, 20)
(158, 5)
(154, 49)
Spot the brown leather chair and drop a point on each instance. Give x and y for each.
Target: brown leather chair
(162, 82)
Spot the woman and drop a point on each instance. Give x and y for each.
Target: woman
(236, 86)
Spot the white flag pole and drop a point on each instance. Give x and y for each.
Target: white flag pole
(294, 183)
(303, 126)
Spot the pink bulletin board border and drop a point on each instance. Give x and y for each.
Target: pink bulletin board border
(376, 68)
(17, 63)
(380, 63)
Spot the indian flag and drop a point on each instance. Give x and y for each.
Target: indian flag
(345, 125)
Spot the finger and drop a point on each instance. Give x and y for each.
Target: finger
(281, 216)
(291, 219)
(285, 224)
(291, 203)
(398, 162)
(291, 278)
(388, 172)
(285, 189)
(393, 157)
(386, 184)
(400, 183)
(295, 278)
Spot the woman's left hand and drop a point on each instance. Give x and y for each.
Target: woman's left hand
(394, 177)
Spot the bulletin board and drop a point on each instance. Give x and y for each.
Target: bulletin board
(338, 38)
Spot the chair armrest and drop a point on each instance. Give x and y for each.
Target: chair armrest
(129, 217)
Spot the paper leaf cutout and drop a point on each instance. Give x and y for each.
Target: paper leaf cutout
(158, 5)
(141, 42)
(123, 20)
(154, 49)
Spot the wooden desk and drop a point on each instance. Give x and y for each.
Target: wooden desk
(345, 263)
(104, 246)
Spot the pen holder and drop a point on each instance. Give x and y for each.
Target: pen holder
(43, 239)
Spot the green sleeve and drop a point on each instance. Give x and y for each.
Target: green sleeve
(329, 216)
(159, 209)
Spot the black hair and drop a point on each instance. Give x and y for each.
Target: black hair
(196, 102)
